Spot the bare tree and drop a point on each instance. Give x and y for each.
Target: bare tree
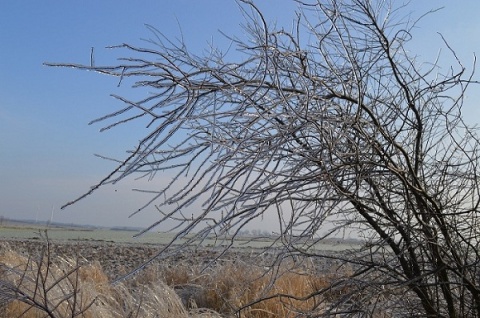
(346, 128)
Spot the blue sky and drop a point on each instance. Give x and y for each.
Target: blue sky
(46, 147)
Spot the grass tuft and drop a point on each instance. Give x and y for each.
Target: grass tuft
(44, 286)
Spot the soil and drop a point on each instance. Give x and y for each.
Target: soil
(118, 259)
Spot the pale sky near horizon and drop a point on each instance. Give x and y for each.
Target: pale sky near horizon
(46, 146)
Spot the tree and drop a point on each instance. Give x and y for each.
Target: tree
(348, 128)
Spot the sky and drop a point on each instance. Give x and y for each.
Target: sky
(46, 145)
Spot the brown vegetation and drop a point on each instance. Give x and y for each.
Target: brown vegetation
(44, 285)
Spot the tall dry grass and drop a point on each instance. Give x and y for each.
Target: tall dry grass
(39, 286)
(44, 287)
(236, 288)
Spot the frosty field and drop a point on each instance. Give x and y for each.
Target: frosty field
(127, 236)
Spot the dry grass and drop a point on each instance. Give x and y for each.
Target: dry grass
(235, 288)
(45, 287)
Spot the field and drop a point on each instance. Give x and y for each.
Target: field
(68, 234)
(81, 273)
